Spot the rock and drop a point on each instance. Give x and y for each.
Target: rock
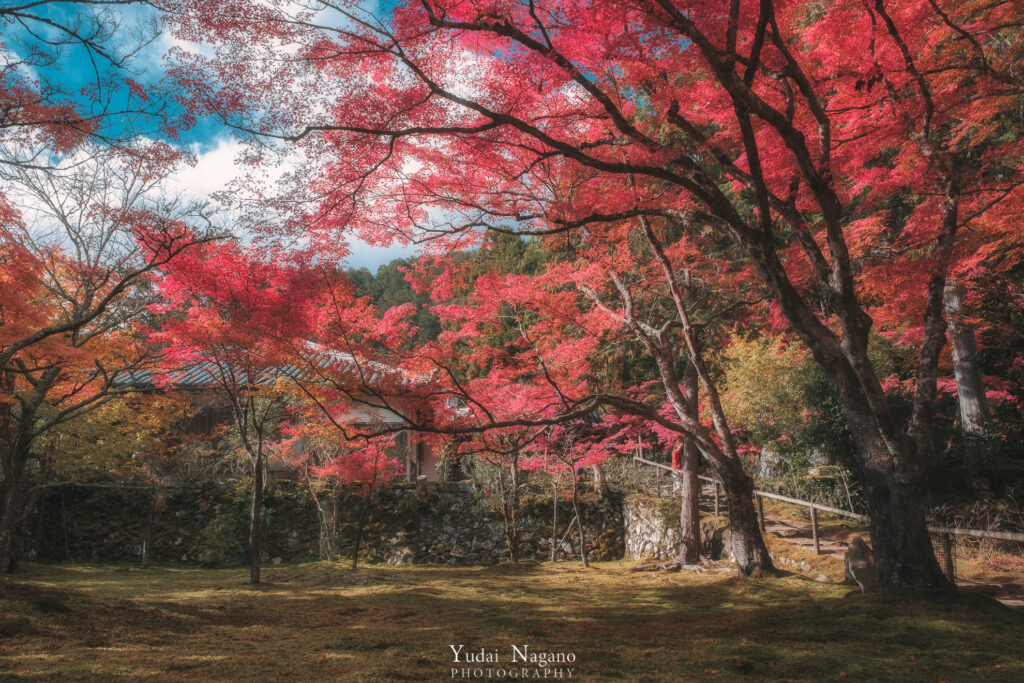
(821, 578)
(770, 463)
(275, 561)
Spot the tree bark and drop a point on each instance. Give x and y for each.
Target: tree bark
(749, 550)
(14, 487)
(600, 485)
(579, 518)
(255, 512)
(688, 456)
(969, 386)
(13, 508)
(748, 547)
(510, 505)
(897, 507)
(689, 515)
(326, 511)
(554, 518)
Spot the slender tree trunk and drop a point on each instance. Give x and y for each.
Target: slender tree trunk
(147, 533)
(689, 514)
(255, 512)
(579, 517)
(688, 457)
(969, 386)
(360, 524)
(326, 511)
(554, 518)
(600, 485)
(749, 550)
(511, 506)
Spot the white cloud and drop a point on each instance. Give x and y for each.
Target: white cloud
(214, 170)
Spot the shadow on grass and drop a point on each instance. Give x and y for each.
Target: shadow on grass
(399, 624)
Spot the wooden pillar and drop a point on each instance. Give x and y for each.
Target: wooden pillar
(814, 530)
(717, 512)
(947, 557)
(760, 511)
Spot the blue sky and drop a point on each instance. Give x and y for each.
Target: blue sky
(213, 144)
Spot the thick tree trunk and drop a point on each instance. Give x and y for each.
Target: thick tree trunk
(904, 557)
(969, 386)
(13, 507)
(748, 547)
(255, 511)
(895, 484)
(14, 493)
(14, 484)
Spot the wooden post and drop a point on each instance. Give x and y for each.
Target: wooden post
(760, 511)
(814, 530)
(947, 557)
(717, 512)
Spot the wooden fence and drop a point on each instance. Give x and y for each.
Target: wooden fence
(945, 534)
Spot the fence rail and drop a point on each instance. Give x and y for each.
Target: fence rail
(941, 531)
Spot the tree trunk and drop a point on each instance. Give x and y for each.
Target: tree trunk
(14, 495)
(897, 499)
(326, 511)
(749, 550)
(689, 514)
(511, 506)
(255, 511)
(748, 547)
(147, 534)
(363, 514)
(554, 518)
(686, 456)
(14, 486)
(579, 519)
(13, 507)
(969, 386)
(600, 485)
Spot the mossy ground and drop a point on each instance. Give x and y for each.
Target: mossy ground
(323, 621)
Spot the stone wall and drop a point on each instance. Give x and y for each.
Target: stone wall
(449, 525)
(206, 524)
(209, 525)
(652, 529)
(451, 528)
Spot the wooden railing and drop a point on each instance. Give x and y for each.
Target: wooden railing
(945, 534)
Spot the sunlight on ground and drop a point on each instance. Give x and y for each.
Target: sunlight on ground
(324, 621)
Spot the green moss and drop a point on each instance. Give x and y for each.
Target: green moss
(324, 621)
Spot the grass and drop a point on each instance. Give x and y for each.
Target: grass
(322, 621)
